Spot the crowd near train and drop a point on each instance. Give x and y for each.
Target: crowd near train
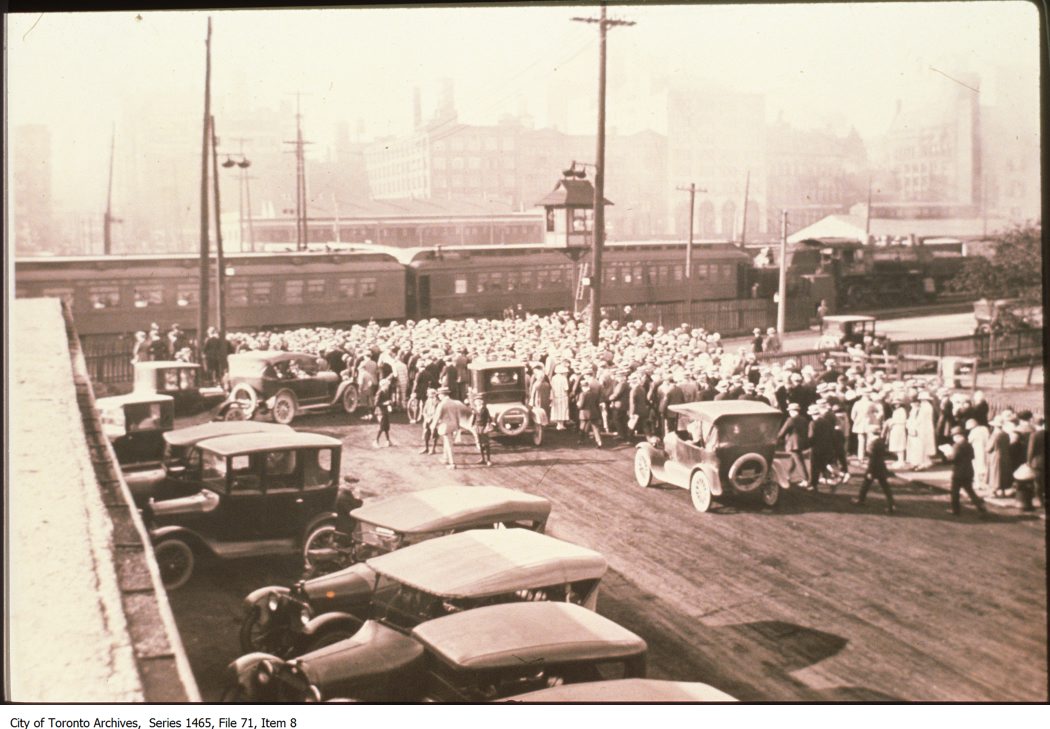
(329, 283)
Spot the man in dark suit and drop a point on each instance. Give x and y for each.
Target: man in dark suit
(822, 447)
(961, 458)
(673, 396)
(795, 434)
(876, 471)
(638, 407)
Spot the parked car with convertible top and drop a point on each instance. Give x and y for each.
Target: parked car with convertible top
(260, 493)
(406, 519)
(501, 384)
(484, 655)
(421, 582)
(625, 691)
(721, 449)
(285, 385)
(135, 425)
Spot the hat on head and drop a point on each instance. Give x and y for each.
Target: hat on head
(793, 406)
(957, 430)
(971, 424)
(431, 391)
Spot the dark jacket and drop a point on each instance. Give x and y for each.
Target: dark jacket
(876, 452)
(822, 438)
(795, 432)
(962, 462)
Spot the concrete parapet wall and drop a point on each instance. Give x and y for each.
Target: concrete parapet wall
(87, 619)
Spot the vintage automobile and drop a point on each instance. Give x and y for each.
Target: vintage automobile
(722, 448)
(1007, 315)
(261, 493)
(625, 691)
(502, 386)
(284, 384)
(411, 518)
(483, 655)
(180, 380)
(843, 330)
(135, 425)
(447, 574)
(180, 474)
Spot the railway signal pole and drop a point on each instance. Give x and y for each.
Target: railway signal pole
(301, 234)
(205, 252)
(108, 219)
(599, 173)
(692, 190)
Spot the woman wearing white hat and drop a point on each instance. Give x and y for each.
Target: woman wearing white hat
(560, 396)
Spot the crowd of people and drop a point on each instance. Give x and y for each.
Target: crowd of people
(624, 387)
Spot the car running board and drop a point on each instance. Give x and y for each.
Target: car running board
(257, 548)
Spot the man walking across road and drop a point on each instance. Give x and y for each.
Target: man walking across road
(876, 471)
(960, 453)
(795, 433)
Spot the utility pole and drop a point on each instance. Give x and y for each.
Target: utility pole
(747, 189)
(599, 173)
(867, 215)
(205, 252)
(243, 164)
(692, 190)
(301, 233)
(782, 288)
(108, 219)
(220, 264)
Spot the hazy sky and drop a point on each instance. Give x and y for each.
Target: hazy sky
(71, 71)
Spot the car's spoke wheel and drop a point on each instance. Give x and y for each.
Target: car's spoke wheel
(284, 408)
(643, 468)
(258, 631)
(413, 409)
(175, 559)
(700, 491)
(770, 493)
(351, 399)
(325, 550)
(246, 397)
(537, 435)
(235, 412)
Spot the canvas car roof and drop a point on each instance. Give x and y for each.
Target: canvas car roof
(166, 365)
(495, 364)
(625, 690)
(231, 445)
(526, 632)
(846, 318)
(445, 507)
(714, 409)
(480, 563)
(132, 398)
(268, 356)
(196, 433)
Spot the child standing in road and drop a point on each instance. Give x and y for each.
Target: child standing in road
(481, 423)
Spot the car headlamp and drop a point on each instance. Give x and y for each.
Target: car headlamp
(273, 602)
(265, 673)
(304, 615)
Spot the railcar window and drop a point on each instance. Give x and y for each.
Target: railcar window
(542, 277)
(238, 293)
(368, 288)
(512, 281)
(678, 273)
(526, 280)
(496, 282)
(727, 272)
(148, 296)
(347, 288)
(701, 272)
(556, 274)
(261, 293)
(186, 294)
(315, 289)
(483, 282)
(104, 297)
(293, 292)
(639, 277)
(461, 285)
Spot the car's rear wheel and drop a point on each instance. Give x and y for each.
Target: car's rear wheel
(770, 493)
(351, 399)
(325, 550)
(175, 559)
(284, 408)
(244, 396)
(700, 491)
(643, 468)
(235, 411)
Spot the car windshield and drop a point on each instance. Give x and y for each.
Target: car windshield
(140, 417)
(180, 378)
(747, 430)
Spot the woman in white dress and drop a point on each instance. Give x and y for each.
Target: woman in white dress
(978, 436)
(560, 396)
(896, 432)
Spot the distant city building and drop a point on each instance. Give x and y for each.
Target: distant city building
(1011, 150)
(715, 138)
(32, 221)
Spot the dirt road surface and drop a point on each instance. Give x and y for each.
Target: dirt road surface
(815, 601)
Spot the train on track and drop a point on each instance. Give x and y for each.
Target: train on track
(117, 295)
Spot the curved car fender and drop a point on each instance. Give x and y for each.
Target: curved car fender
(318, 520)
(657, 456)
(241, 670)
(781, 471)
(263, 593)
(329, 621)
(712, 478)
(189, 536)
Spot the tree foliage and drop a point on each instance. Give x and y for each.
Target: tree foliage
(1015, 268)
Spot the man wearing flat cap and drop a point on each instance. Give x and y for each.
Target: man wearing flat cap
(960, 454)
(795, 434)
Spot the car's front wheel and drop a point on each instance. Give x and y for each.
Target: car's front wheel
(235, 412)
(770, 493)
(326, 550)
(350, 399)
(245, 397)
(643, 468)
(700, 491)
(284, 408)
(175, 559)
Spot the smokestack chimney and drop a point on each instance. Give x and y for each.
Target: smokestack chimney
(417, 109)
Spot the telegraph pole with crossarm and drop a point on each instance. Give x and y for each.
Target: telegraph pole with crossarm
(599, 174)
(692, 190)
